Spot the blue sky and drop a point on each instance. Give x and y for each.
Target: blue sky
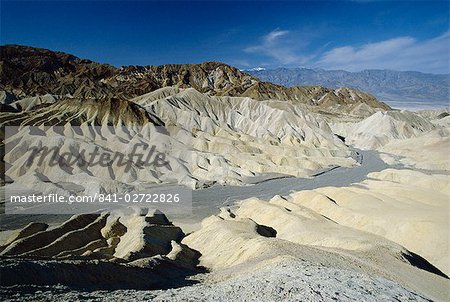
(350, 35)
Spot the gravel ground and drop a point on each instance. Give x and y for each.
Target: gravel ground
(288, 280)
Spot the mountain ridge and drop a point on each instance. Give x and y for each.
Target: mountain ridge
(387, 85)
(28, 71)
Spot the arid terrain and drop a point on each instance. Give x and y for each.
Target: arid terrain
(298, 193)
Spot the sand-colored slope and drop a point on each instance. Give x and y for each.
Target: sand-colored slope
(258, 137)
(70, 177)
(416, 140)
(430, 151)
(383, 127)
(407, 207)
(206, 139)
(366, 226)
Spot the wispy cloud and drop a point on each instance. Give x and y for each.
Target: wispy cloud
(401, 53)
(275, 46)
(271, 37)
(285, 48)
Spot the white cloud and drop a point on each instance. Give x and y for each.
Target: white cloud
(283, 52)
(273, 35)
(402, 53)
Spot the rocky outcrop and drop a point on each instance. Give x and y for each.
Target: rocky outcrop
(30, 229)
(147, 236)
(47, 237)
(111, 250)
(129, 237)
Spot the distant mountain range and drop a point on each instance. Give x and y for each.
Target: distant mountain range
(400, 89)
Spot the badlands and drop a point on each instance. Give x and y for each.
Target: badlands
(298, 194)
